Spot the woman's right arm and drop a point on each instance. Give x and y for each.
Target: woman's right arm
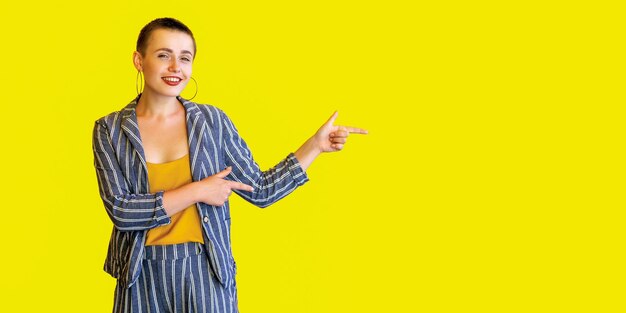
(132, 212)
(128, 211)
(213, 190)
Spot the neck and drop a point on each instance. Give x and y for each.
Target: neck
(151, 104)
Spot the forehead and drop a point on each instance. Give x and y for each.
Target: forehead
(172, 39)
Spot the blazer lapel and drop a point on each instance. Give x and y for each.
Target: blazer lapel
(201, 145)
(200, 142)
(131, 130)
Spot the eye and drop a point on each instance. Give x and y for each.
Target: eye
(162, 56)
(186, 59)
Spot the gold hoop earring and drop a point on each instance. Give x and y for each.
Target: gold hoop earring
(195, 82)
(139, 77)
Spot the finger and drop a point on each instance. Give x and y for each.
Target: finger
(340, 133)
(332, 118)
(224, 172)
(356, 130)
(240, 186)
(339, 140)
(337, 146)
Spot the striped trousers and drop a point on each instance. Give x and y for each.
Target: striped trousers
(176, 278)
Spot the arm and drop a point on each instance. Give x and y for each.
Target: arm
(270, 185)
(213, 190)
(127, 211)
(277, 182)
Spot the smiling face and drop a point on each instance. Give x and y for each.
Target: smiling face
(166, 63)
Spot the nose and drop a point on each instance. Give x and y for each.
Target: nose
(174, 66)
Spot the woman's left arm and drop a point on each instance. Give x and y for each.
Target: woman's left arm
(279, 181)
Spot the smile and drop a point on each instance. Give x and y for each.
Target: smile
(172, 81)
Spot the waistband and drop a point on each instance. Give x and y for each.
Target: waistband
(173, 252)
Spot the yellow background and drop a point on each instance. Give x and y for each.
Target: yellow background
(492, 179)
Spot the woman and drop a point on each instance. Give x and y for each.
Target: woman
(166, 167)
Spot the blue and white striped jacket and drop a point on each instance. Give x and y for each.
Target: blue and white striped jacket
(214, 144)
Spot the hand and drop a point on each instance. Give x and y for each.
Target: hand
(215, 190)
(331, 138)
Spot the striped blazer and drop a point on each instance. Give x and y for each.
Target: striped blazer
(214, 144)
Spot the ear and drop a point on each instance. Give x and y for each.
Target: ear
(138, 61)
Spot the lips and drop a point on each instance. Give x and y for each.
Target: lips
(172, 80)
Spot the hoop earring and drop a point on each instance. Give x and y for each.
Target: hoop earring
(195, 82)
(139, 76)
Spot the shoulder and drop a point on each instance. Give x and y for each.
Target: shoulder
(209, 109)
(113, 119)
(109, 120)
(213, 115)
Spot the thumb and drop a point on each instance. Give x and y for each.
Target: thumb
(224, 172)
(332, 119)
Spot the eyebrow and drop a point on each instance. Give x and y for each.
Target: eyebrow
(172, 51)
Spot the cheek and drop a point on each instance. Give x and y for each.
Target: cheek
(149, 69)
(155, 73)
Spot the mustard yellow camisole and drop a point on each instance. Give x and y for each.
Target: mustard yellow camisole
(185, 225)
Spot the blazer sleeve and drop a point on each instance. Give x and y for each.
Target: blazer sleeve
(269, 186)
(128, 211)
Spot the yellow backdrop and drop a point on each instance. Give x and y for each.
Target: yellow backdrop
(492, 179)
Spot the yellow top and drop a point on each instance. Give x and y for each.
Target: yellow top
(185, 225)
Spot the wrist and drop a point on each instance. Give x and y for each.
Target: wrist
(194, 191)
(311, 148)
(315, 146)
(307, 153)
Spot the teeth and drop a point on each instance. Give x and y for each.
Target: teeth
(171, 79)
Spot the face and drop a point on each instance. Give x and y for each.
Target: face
(167, 62)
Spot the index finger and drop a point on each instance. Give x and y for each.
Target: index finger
(240, 186)
(356, 130)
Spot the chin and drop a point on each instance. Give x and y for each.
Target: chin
(167, 91)
(170, 92)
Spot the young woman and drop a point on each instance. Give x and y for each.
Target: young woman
(166, 167)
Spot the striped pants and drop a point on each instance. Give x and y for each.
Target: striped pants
(176, 278)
